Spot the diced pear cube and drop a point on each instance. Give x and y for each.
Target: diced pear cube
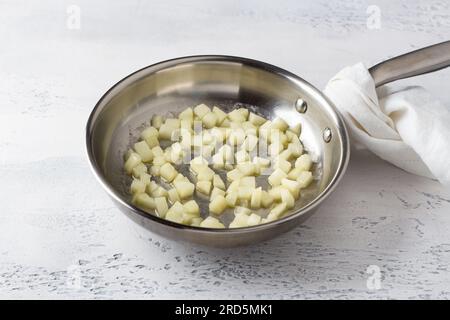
(186, 114)
(198, 163)
(173, 195)
(294, 173)
(292, 186)
(225, 131)
(219, 114)
(137, 186)
(296, 129)
(144, 151)
(218, 182)
(225, 123)
(165, 132)
(255, 202)
(176, 153)
(144, 201)
(247, 168)
(207, 151)
(244, 112)
(197, 141)
(187, 219)
(157, 121)
(186, 126)
(269, 218)
(304, 162)
(278, 210)
(159, 160)
(242, 156)
(186, 139)
(296, 140)
(295, 149)
(242, 210)
(157, 151)
(234, 174)
(218, 204)
(249, 128)
(175, 213)
(276, 136)
(180, 177)
(290, 135)
(283, 164)
(211, 222)
(287, 198)
(204, 187)
(201, 110)
(266, 199)
(234, 186)
(127, 154)
(205, 173)
(236, 116)
(161, 206)
(216, 191)
(139, 170)
(245, 193)
(150, 136)
(255, 119)
(265, 130)
(176, 134)
(185, 189)
(149, 132)
(239, 221)
(195, 222)
(231, 198)
(286, 154)
(250, 143)
(191, 207)
(172, 122)
(159, 192)
(276, 192)
(133, 160)
(280, 124)
(218, 162)
(253, 220)
(168, 154)
(218, 135)
(154, 170)
(247, 182)
(276, 177)
(262, 162)
(152, 141)
(275, 149)
(145, 178)
(207, 137)
(151, 187)
(227, 153)
(304, 179)
(236, 137)
(209, 120)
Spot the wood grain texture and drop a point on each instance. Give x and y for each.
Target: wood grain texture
(61, 237)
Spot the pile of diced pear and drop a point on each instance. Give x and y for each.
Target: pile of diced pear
(212, 141)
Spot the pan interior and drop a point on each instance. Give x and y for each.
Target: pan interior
(168, 88)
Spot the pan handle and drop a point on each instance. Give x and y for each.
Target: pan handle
(411, 64)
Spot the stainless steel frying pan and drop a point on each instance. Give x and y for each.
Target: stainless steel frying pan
(227, 82)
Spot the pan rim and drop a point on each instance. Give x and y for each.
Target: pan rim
(113, 193)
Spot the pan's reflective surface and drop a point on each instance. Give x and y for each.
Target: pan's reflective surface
(226, 82)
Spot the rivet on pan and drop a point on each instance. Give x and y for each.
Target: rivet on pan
(301, 106)
(327, 135)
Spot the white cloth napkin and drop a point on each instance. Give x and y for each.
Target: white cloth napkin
(406, 127)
